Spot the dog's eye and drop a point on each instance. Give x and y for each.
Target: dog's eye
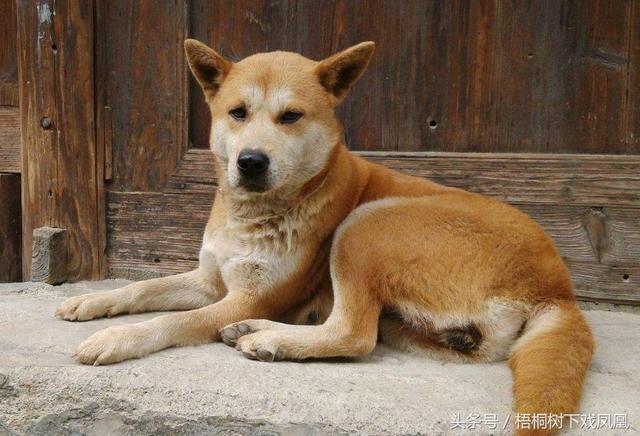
(290, 117)
(238, 113)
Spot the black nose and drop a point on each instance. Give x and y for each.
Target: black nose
(252, 163)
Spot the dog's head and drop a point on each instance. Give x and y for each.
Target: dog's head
(273, 126)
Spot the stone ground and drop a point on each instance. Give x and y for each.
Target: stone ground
(212, 389)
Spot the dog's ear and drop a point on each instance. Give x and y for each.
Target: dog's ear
(207, 66)
(338, 72)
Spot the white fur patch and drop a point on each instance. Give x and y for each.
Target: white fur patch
(279, 98)
(539, 323)
(250, 259)
(254, 96)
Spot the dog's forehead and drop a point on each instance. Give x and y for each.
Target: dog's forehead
(276, 76)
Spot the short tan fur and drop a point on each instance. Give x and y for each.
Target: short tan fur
(312, 251)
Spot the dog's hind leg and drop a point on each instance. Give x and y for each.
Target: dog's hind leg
(178, 292)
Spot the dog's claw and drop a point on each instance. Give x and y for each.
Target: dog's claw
(249, 356)
(279, 355)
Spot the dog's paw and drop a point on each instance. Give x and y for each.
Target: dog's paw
(87, 307)
(231, 333)
(114, 344)
(258, 339)
(263, 345)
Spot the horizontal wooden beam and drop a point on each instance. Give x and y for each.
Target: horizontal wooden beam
(588, 180)
(150, 233)
(10, 160)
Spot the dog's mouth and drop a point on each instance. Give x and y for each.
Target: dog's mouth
(255, 187)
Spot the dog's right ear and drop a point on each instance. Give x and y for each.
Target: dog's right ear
(207, 66)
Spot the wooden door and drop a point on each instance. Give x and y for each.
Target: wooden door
(536, 103)
(10, 165)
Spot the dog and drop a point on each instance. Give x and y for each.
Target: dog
(313, 252)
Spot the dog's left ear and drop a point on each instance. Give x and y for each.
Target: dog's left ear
(207, 66)
(338, 72)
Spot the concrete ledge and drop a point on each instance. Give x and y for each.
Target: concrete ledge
(212, 389)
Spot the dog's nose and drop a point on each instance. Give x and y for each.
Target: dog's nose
(252, 163)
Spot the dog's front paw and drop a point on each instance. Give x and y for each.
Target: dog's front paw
(87, 307)
(264, 345)
(231, 333)
(258, 339)
(114, 344)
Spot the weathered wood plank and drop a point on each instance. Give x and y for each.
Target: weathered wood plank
(59, 156)
(160, 231)
(589, 180)
(163, 232)
(10, 160)
(144, 268)
(49, 255)
(8, 55)
(631, 107)
(144, 82)
(456, 75)
(10, 228)
(606, 283)
(195, 173)
(569, 226)
(596, 85)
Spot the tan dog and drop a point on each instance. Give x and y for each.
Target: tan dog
(305, 232)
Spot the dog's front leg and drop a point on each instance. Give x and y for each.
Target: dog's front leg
(179, 292)
(351, 330)
(199, 326)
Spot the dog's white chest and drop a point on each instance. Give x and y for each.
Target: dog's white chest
(246, 262)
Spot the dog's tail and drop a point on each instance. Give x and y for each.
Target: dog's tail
(549, 363)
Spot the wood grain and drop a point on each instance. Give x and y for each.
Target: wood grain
(10, 239)
(155, 232)
(539, 178)
(606, 283)
(49, 255)
(60, 161)
(546, 76)
(143, 78)
(520, 178)
(10, 160)
(8, 55)
(162, 233)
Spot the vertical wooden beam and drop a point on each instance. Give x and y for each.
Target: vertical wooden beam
(10, 244)
(61, 165)
(8, 55)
